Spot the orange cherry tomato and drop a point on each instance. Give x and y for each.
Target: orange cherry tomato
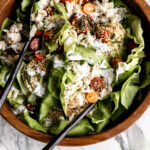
(92, 97)
(39, 56)
(76, 1)
(115, 62)
(88, 8)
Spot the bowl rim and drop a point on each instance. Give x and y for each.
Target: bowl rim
(7, 114)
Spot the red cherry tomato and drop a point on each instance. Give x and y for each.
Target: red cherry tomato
(132, 45)
(102, 34)
(73, 19)
(35, 44)
(38, 33)
(39, 56)
(46, 35)
(97, 84)
(49, 10)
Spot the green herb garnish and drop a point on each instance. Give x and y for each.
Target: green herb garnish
(81, 24)
(112, 37)
(116, 41)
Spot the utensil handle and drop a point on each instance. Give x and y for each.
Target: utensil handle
(64, 132)
(13, 74)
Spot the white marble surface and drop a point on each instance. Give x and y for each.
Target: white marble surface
(137, 137)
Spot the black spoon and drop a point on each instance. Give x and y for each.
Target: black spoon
(64, 132)
(14, 72)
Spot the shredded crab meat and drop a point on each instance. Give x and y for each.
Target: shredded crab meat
(75, 93)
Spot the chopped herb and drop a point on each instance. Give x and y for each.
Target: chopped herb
(89, 20)
(94, 28)
(106, 25)
(54, 12)
(81, 24)
(116, 41)
(113, 36)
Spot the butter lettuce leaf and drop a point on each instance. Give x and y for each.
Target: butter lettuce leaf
(55, 80)
(130, 89)
(59, 38)
(134, 32)
(48, 103)
(61, 9)
(67, 78)
(119, 3)
(6, 24)
(137, 36)
(24, 90)
(82, 128)
(4, 71)
(145, 75)
(15, 102)
(88, 54)
(32, 122)
(26, 4)
(52, 98)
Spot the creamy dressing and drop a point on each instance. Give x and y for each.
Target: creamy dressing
(124, 67)
(13, 34)
(39, 89)
(106, 12)
(17, 46)
(31, 72)
(57, 62)
(2, 45)
(73, 8)
(19, 110)
(12, 40)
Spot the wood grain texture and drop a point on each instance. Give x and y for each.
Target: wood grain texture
(6, 7)
(141, 8)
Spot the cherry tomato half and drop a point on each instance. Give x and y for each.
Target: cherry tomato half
(38, 33)
(97, 84)
(115, 62)
(102, 34)
(88, 8)
(92, 97)
(34, 44)
(39, 56)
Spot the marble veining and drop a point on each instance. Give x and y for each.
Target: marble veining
(137, 137)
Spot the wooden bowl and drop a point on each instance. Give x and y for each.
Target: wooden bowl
(140, 8)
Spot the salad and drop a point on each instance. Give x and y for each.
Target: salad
(81, 51)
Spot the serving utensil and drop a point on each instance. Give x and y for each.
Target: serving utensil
(15, 70)
(64, 132)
